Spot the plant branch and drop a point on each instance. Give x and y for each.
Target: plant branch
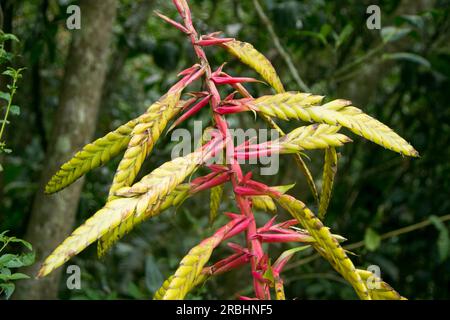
(8, 106)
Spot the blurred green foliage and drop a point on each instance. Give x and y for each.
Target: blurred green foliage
(10, 261)
(400, 75)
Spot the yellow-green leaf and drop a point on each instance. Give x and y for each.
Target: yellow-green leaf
(246, 53)
(301, 106)
(136, 203)
(326, 244)
(92, 156)
(215, 200)
(329, 172)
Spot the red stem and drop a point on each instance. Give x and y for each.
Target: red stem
(254, 245)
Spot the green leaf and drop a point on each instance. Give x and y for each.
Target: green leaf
(15, 110)
(3, 236)
(268, 275)
(5, 271)
(13, 73)
(391, 34)
(5, 96)
(23, 242)
(289, 253)
(5, 56)
(285, 188)
(372, 239)
(414, 20)
(443, 241)
(10, 72)
(343, 36)
(407, 56)
(135, 292)
(8, 36)
(5, 277)
(316, 35)
(7, 289)
(14, 276)
(4, 259)
(28, 258)
(325, 30)
(22, 260)
(153, 276)
(19, 276)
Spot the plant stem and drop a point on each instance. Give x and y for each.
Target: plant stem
(254, 245)
(298, 158)
(5, 119)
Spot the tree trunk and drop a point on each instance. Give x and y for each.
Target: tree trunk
(53, 216)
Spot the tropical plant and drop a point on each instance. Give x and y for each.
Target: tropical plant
(129, 202)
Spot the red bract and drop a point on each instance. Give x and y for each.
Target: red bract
(283, 237)
(194, 110)
(205, 42)
(189, 70)
(230, 109)
(174, 23)
(230, 263)
(232, 80)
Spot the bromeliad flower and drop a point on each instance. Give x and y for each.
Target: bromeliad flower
(131, 202)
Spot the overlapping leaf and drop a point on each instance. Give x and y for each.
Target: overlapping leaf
(327, 245)
(329, 172)
(246, 53)
(189, 272)
(92, 156)
(102, 150)
(264, 203)
(173, 199)
(378, 289)
(338, 112)
(184, 279)
(310, 138)
(144, 137)
(134, 204)
(159, 294)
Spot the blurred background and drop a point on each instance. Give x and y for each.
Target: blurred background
(80, 84)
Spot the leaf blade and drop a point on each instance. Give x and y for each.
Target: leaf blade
(329, 173)
(300, 106)
(133, 203)
(247, 54)
(327, 245)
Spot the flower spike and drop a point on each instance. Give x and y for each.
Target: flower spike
(232, 80)
(131, 202)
